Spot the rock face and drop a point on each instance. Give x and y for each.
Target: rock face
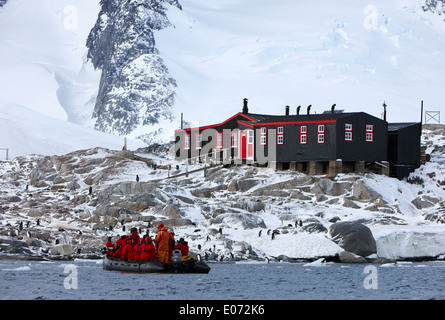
(353, 237)
(136, 89)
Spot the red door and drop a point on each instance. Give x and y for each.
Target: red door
(243, 144)
(246, 147)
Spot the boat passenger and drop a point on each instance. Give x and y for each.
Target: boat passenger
(183, 247)
(109, 244)
(120, 243)
(137, 251)
(135, 235)
(148, 251)
(163, 243)
(127, 251)
(171, 246)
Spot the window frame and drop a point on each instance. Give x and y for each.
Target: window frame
(234, 140)
(198, 135)
(263, 135)
(219, 143)
(187, 141)
(348, 132)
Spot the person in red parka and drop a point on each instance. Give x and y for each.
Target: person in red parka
(109, 244)
(135, 235)
(148, 251)
(183, 247)
(128, 250)
(120, 243)
(137, 251)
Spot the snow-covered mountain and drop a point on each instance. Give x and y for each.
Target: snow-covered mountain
(156, 59)
(136, 90)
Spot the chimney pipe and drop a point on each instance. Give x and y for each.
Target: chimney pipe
(384, 110)
(245, 108)
(298, 110)
(333, 107)
(309, 109)
(287, 110)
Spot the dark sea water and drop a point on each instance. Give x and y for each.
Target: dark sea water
(85, 279)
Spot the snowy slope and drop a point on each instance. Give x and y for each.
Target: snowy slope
(30, 132)
(294, 53)
(43, 57)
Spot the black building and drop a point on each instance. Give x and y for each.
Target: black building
(404, 148)
(326, 143)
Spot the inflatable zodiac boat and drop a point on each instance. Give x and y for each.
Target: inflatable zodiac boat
(177, 265)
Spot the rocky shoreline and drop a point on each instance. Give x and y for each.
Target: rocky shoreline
(65, 207)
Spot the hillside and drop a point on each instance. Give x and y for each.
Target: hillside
(407, 218)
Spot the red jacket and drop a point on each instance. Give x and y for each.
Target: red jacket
(135, 237)
(184, 249)
(128, 250)
(120, 243)
(137, 251)
(148, 251)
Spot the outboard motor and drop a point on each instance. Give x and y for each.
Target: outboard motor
(176, 261)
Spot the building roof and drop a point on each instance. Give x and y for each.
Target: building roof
(401, 125)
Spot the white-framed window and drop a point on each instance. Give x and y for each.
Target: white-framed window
(369, 133)
(219, 140)
(280, 135)
(186, 142)
(303, 134)
(234, 140)
(348, 132)
(263, 136)
(250, 136)
(198, 141)
(262, 140)
(320, 133)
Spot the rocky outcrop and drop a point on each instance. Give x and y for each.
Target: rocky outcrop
(136, 89)
(354, 237)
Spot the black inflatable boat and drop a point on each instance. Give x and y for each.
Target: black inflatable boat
(177, 266)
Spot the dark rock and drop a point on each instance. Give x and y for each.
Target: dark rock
(353, 237)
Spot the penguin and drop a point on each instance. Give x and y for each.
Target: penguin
(28, 223)
(90, 190)
(259, 233)
(122, 222)
(231, 255)
(267, 259)
(21, 226)
(300, 223)
(38, 222)
(208, 238)
(220, 230)
(137, 178)
(214, 248)
(123, 228)
(273, 236)
(268, 232)
(199, 247)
